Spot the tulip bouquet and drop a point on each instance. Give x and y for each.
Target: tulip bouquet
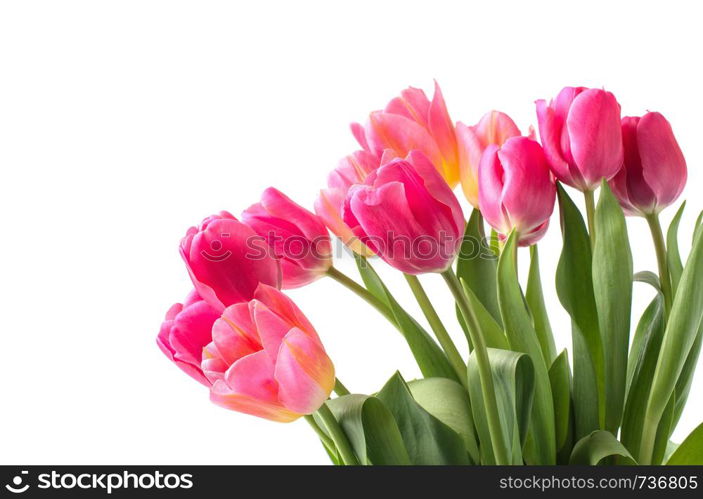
(514, 399)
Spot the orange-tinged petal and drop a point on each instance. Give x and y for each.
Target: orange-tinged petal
(304, 373)
(221, 395)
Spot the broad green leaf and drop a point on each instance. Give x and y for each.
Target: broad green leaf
(672, 248)
(493, 333)
(449, 402)
(535, 300)
(428, 440)
(574, 282)
(683, 385)
(370, 428)
(595, 447)
(649, 277)
(650, 322)
(541, 448)
(679, 339)
(690, 451)
(642, 363)
(495, 243)
(429, 356)
(612, 286)
(666, 427)
(560, 381)
(513, 376)
(476, 264)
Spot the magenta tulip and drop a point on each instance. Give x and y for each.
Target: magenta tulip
(227, 260)
(265, 359)
(298, 238)
(351, 170)
(654, 172)
(185, 332)
(407, 214)
(580, 132)
(494, 128)
(413, 122)
(516, 189)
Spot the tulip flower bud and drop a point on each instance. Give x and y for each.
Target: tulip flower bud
(227, 260)
(185, 332)
(299, 238)
(413, 122)
(516, 189)
(351, 170)
(580, 133)
(494, 128)
(265, 359)
(654, 172)
(407, 214)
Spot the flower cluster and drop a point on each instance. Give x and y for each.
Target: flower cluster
(238, 334)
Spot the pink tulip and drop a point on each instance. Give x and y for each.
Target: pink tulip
(413, 122)
(654, 172)
(185, 332)
(516, 189)
(407, 214)
(227, 260)
(494, 128)
(351, 170)
(299, 238)
(266, 359)
(580, 132)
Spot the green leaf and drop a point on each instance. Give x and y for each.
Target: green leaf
(428, 440)
(649, 277)
(679, 339)
(595, 447)
(642, 362)
(493, 333)
(612, 286)
(698, 225)
(449, 402)
(672, 248)
(513, 376)
(560, 381)
(574, 282)
(370, 428)
(429, 356)
(683, 384)
(690, 451)
(476, 264)
(541, 448)
(535, 300)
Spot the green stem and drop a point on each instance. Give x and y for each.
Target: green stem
(338, 436)
(320, 433)
(439, 330)
(498, 441)
(660, 247)
(339, 388)
(590, 214)
(362, 292)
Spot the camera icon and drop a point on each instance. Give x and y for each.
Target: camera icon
(16, 487)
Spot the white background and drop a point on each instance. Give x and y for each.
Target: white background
(123, 123)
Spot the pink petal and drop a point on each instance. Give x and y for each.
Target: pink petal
(595, 135)
(403, 135)
(253, 376)
(663, 163)
(221, 395)
(304, 373)
(550, 131)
